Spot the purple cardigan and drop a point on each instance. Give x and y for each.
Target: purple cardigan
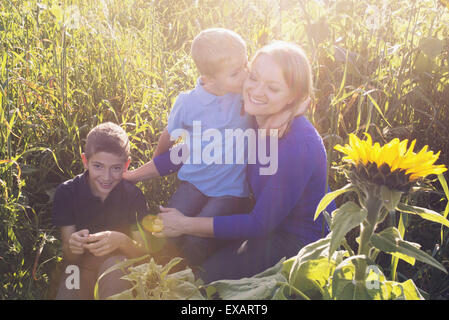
(285, 201)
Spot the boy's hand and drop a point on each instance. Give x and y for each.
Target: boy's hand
(102, 243)
(77, 240)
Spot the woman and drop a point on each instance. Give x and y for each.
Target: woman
(281, 221)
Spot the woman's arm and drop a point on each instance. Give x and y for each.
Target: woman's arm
(147, 171)
(158, 167)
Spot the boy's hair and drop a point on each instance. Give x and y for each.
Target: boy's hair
(213, 47)
(108, 137)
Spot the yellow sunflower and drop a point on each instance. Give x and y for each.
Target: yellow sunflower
(393, 164)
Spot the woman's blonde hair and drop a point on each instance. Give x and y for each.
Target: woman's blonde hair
(213, 48)
(296, 70)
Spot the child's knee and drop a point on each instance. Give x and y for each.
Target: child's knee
(111, 283)
(110, 262)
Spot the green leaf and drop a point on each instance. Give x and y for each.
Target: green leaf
(398, 255)
(395, 260)
(423, 63)
(327, 199)
(378, 108)
(119, 266)
(391, 290)
(311, 251)
(312, 277)
(260, 286)
(343, 284)
(410, 291)
(400, 291)
(181, 286)
(431, 46)
(390, 241)
(344, 219)
(142, 235)
(423, 213)
(167, 267)
(279, 294)
(389, 197)
(152, 281)
(374, 283)
(443, 183)
(57, 12)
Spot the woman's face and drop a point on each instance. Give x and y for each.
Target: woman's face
(265, 91)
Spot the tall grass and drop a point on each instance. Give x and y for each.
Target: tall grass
(66, 66)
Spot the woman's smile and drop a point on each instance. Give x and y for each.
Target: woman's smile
(265, 91)
(256, 100)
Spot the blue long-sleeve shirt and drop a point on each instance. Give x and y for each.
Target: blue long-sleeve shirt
(285, 201)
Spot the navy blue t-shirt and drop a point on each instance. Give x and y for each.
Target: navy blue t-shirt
(74, 204)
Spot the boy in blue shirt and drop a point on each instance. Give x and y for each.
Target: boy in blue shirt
(96, 212)
(212, 180)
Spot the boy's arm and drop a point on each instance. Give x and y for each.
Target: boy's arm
(130, 244)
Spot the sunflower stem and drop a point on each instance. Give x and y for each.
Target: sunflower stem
(373, 205)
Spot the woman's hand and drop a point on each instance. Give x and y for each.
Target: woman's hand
(173, 222)
(102, 243)
(129, 176)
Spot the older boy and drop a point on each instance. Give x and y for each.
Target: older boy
(215, 187)
(95, 211)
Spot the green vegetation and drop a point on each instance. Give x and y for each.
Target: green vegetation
(380, 67)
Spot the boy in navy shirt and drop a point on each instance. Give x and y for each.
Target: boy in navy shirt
(213, 180)
(96, 212)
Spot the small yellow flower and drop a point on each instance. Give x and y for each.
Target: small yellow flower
(392, 164)
(152, 223)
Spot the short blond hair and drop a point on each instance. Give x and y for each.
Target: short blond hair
(213, 48)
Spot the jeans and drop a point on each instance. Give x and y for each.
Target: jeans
(193, 203)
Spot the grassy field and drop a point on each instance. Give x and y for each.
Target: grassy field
(379, 66)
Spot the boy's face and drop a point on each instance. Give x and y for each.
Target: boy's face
(105, 172)
(230, 78)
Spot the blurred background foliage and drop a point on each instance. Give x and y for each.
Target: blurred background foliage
(379, 66)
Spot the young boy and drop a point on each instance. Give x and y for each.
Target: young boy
(214, 187)
(95, 212)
